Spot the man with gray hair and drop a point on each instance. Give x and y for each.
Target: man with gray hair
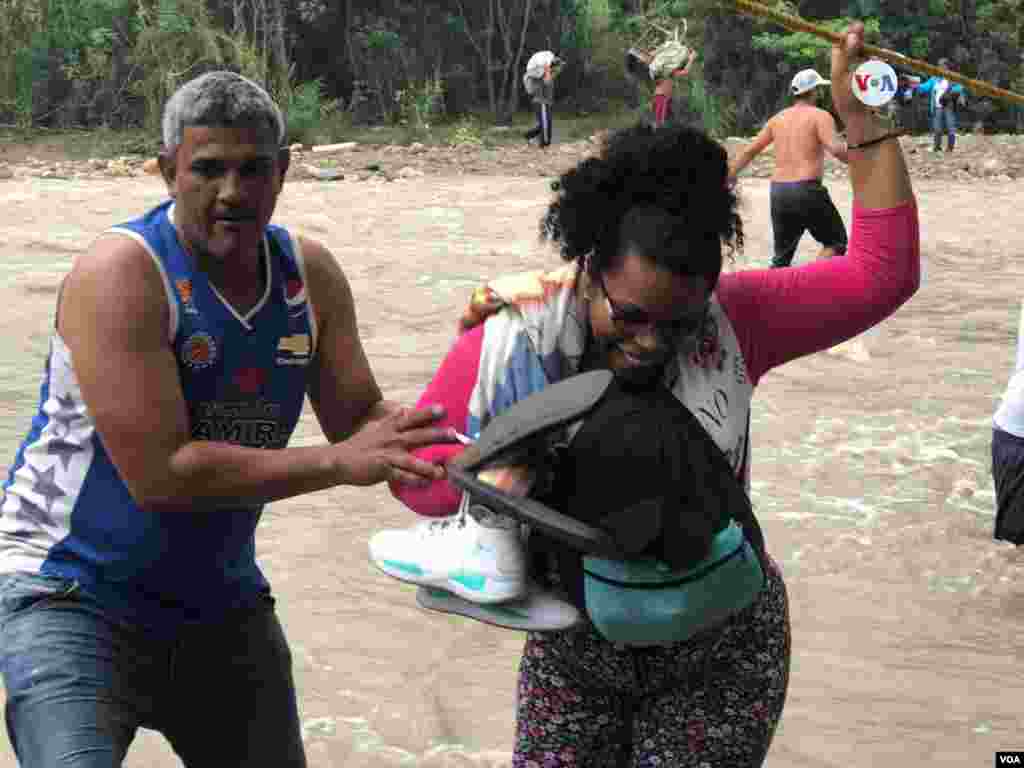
(185, 343)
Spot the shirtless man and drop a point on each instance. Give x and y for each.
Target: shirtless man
(802, 133)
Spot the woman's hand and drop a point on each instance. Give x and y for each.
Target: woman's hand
(846, 57)
(878, 173)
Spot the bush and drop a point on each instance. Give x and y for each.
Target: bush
(717, 113)
(421, 104)
(303, 111)
(466, 132)
(604, 81)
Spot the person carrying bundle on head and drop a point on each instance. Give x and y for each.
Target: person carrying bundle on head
(944, 98)
(539, 81)
(670, 60)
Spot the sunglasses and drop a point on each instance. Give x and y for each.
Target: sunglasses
(630, 316)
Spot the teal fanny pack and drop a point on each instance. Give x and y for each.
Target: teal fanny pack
(645, 602)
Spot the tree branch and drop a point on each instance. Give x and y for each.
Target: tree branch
(514, 89)
(472, 40)
(527, 14)
(504, 25)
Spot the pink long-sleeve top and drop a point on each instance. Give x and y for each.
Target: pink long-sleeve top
(778, 315)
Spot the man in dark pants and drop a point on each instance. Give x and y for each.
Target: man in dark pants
(802, 133)
(542, 90)
(797, 206)
(943, 99)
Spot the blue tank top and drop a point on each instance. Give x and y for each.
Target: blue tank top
(66, 512)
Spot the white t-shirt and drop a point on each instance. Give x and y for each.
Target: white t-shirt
(1009, 417)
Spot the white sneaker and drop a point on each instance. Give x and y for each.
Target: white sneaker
(480, 563)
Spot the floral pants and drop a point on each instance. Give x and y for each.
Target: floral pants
(710, 702)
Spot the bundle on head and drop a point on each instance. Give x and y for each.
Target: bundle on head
(670, 56)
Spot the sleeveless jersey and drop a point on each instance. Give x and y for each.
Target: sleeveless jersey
(66, 511)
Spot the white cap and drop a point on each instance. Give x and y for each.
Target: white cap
(805, 80)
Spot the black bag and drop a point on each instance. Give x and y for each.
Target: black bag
(654, 534)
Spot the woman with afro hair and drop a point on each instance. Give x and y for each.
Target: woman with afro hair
(643, 226)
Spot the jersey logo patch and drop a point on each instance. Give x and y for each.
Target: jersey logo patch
(293, 350)
(199, 351)
(184, 287)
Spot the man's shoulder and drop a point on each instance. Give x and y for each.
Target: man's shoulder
(787, 118)
(313, 252)
(802, 116)
(823, 115)
(151, 217)
(116, 258)
(120, 264)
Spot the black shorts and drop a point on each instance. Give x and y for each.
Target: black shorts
(798, 206)
(1008, 478)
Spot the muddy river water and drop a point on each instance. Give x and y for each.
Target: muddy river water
(870, 476)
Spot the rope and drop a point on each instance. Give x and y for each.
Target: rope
(795, 24)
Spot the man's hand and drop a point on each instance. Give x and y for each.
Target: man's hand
(685, 70)
(381, 449)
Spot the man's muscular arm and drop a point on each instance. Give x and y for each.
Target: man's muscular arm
(129, 379)
(752, 150)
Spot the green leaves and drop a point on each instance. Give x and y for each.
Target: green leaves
(455, 23)
(1005, 17)
(383, 40)
(919, 45)
(302, 111)
(171, 20)
(802, 49)
(81, 24)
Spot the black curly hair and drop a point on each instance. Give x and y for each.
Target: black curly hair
(662, 190)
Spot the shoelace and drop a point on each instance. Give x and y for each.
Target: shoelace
(435, 527)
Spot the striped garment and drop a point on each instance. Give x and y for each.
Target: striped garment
(535, 335)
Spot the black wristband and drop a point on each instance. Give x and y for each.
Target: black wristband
(878, 140)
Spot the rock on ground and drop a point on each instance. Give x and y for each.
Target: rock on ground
(995, 158)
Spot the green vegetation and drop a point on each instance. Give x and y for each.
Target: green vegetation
(802, 49)
(448, 70)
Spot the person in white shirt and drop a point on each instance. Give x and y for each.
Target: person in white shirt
(1008, 452)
